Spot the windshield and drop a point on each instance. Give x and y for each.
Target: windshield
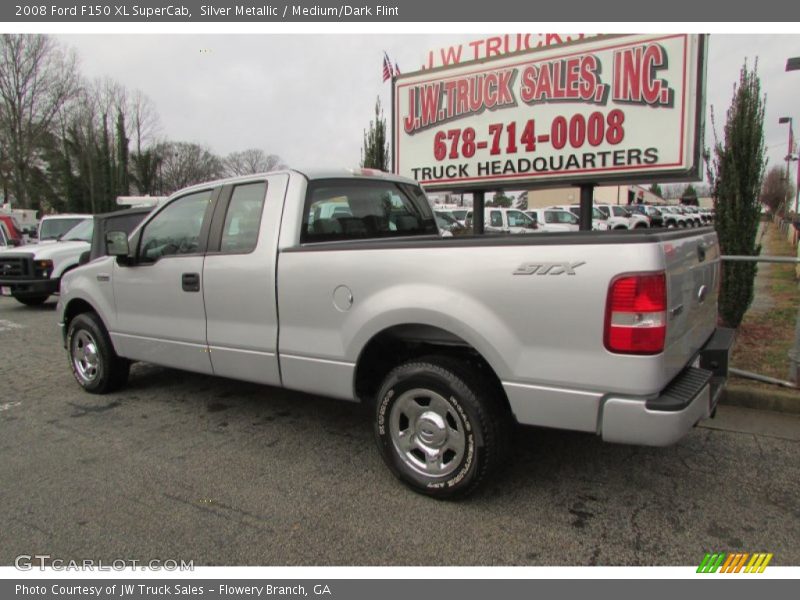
(620, 211)
(81, 232)
(517, 218)
(446, 218)
(52, 229)
(560, 216)
(460, 214)
(597, 215)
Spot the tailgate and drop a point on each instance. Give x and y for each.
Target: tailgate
(692, 266)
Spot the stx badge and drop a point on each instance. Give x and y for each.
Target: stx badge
(547, 268)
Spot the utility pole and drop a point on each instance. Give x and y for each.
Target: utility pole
(793, 64)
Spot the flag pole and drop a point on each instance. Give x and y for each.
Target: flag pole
(394, 164)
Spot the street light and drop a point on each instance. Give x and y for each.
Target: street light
(793, 64)
(788, 120)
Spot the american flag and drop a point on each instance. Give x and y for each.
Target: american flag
(387, 67)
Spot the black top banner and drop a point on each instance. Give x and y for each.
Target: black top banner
(259, 11)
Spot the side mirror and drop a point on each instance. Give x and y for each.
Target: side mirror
(117, 243)
(84, 257)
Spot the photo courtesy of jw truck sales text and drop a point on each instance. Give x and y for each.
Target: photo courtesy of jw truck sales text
(613, 109)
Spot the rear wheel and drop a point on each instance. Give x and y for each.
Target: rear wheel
(95, 365)
(438, 427)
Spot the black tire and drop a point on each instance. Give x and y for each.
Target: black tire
(424, 407)
(95, 365)
(32, 300)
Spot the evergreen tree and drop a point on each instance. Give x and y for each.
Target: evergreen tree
(123, 167)
(736, 173)
(656, 189)
(375, 154)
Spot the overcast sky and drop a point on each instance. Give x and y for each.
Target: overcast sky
(308, 97)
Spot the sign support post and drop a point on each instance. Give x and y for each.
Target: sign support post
(587, 203)
(478, 203)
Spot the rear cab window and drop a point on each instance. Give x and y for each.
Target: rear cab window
(354, 209)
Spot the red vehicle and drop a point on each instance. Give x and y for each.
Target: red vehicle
(15, 235)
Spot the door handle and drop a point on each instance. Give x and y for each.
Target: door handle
(190, 282)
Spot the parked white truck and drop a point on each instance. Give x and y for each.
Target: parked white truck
(32, 273)
(451, 340)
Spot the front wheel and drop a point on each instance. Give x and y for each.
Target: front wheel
(95, 365)
(32, 300)
(438, 428)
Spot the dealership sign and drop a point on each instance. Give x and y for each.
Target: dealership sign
(495, 45)
(613, 109)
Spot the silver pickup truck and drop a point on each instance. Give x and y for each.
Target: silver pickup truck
(337, 283)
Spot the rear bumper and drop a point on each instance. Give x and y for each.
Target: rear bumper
(689, 398)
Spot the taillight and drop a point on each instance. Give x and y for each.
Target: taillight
(636, 314)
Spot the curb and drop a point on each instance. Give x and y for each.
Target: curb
(748, 396)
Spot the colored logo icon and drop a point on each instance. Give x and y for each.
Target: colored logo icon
(734, 562)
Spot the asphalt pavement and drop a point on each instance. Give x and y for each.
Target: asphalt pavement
(186, 467)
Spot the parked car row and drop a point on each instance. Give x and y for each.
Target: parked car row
(565, 217)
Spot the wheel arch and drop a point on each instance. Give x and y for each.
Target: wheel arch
(78, 306)
(64, 268)
(400, 343)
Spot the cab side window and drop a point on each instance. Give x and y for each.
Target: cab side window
(243, 219)
(496, 218)
(176, 229)
(353, 209)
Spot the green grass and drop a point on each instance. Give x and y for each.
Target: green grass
(765, 337)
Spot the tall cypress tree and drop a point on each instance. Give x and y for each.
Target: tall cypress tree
(736, 173)
(123, 167)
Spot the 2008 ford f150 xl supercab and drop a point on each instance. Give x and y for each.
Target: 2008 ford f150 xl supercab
(337, 283)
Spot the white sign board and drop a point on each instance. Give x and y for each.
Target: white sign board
(612, 109)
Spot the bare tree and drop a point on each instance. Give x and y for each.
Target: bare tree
(252, 160)
(776, 190)
(37, 78)
(144, 121)
(183, 164)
